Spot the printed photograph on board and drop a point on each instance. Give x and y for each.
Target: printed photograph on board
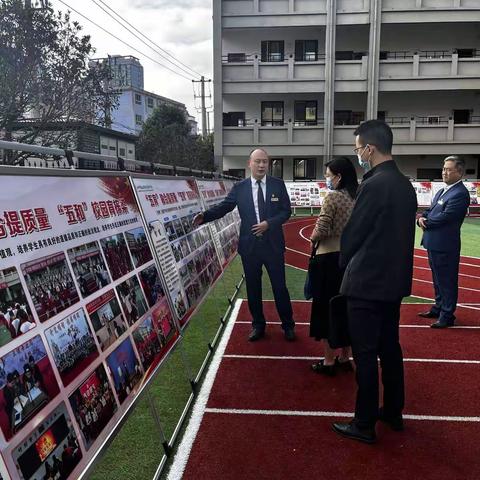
(138, 246)
(89, 268)
(50, 284)
(72, 345)
(163, 322)
(93, 405)
(148, 345)
(107, 319)
(152, 285)
(27, 384)
(15, 315)
(51, 451)
(132, 299)
(117, 256)
(125, 369)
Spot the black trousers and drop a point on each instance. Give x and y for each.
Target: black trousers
(444, 266)
(374, 332)
(263, 255)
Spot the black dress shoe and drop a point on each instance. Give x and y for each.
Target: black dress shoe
(440, 324)
(395, 422)
(429, 314)
(350, 430)
(329, 370)
(256, 334)
(289, 334)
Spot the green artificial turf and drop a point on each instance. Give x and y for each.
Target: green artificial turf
(470, 237)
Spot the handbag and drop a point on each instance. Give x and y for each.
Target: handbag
(339, 336)
(308, 288)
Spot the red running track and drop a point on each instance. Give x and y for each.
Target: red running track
(269, 417)
(298, 249)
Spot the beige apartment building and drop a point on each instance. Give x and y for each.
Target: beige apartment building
(297, 76)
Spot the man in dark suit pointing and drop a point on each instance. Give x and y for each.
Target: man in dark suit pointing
(264, 206)
(441, 225)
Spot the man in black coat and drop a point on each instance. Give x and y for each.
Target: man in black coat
(377, 251)
(441, 224)
(264, 206)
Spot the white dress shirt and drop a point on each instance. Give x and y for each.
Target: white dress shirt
(447, 188)
(255, 194)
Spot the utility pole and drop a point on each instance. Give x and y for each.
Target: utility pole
(202, 98)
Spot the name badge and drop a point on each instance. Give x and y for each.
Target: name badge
(440, 202)
(274, 199)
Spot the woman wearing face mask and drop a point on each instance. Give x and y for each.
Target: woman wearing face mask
(325, 273)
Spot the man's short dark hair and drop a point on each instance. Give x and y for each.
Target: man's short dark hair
(459, 163)
(378, 133)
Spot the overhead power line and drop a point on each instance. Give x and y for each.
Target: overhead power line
(188, 72)
(125, 43)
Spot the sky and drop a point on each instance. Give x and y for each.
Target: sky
(181, 27)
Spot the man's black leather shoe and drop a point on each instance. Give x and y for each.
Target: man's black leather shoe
(395, 422)
(256, 334)
(350, 430)
(289, 334)
(440, 324)
(429, 314)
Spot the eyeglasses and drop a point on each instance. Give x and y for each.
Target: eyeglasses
(355, 150)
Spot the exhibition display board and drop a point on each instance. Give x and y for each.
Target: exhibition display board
(311, 194)
(306, 194)
(85, 309)
(187, 256)
(224, 230)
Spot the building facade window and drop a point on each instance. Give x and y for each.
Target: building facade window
(138, 119)
(347, 117)
(306, 50)
(272, 114)
(304, 168)
(234, 119)
(305, 113)
(150, 102)
(273, 50)
(276, 167)
(138, 99)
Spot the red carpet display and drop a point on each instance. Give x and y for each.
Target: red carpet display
(268, 415)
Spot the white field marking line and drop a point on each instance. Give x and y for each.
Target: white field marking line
(420, 250)
(469, 327)
(297, 221)
(461, 263)
(417, 279)
(460, 274)
(293, 357)
(183, 453)
(306, 413)
(415, 256)
(460, 288)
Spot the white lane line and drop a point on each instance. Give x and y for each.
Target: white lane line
(460, 274)
(183, 453)
(314, 413)
(458, 327)
(460, 288)
(293, 357)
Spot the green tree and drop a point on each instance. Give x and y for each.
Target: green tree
(45, 77)
(166, 138)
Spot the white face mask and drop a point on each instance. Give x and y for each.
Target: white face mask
(365, 164)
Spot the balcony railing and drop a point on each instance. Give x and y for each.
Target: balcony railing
(272, 58)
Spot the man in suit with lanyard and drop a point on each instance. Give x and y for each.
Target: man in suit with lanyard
(441, 224)
(264, 206)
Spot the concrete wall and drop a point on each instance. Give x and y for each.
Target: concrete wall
(428, 103)
(397, 37)
(251, 104)
(249, 40)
